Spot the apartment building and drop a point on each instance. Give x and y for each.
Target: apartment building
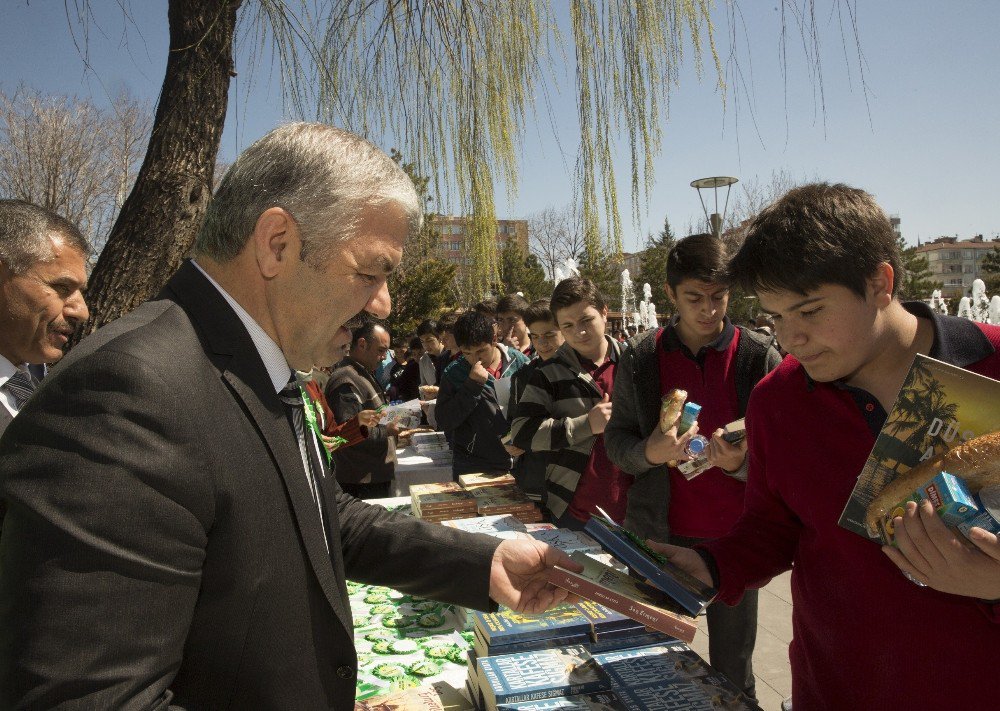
(955, 263)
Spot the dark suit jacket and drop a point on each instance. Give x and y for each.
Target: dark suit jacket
(161, 546)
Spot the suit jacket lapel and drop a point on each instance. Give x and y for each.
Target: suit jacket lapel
(241, 368)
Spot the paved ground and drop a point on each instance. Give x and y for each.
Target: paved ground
(774, 632)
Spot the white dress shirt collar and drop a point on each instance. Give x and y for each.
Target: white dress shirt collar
(7, 371)
(274, 360)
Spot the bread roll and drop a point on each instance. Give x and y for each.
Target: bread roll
(670, 408)
(976, 462)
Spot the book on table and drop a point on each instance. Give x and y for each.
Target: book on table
(539, 674)
(944, 419)
(623, 593)
(662, 676)
(691, 594)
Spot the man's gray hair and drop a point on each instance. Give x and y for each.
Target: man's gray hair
(26, 233)
(322, 175)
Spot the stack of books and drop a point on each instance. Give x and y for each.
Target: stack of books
(584, 624)
(660, 595)
(442, 501)
(432, 445)
(493, 500)
(660, 676)
(477, 479)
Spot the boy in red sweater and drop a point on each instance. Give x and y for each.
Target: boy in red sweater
(702, 352)
(824, 262)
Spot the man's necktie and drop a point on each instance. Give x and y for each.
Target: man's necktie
(20, 385)
(291, 396)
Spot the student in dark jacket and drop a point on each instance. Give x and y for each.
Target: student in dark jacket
(366, 469)
(702, 352)
(546, 338)
(468, 409)
(405, 381)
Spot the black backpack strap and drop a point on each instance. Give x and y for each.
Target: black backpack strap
(756, 356)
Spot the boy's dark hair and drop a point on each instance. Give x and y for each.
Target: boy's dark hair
(487, 307)
(538, 311)
(573, 291)
(416, 344)
(473, 329)
(512, 303)
(813, 235)
(427, 327)
(446, 324)
(699, 257)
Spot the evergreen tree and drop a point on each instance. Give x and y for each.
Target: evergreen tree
(522, 271)
(990, 271)
(421, 286)
(917, 281)
(653, 263)
(605, 271)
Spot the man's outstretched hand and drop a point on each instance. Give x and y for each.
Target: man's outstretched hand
(519, 575)
(684, 558)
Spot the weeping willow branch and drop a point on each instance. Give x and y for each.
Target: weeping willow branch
(455, 81)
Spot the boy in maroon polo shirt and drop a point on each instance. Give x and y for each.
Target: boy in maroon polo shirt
(717, 363)
(823, 261)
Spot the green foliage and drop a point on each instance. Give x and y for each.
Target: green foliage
(521, 271)
(653, 263)
(422, 291)
(605, 270)
(917, 281)
(421, 286)
(457, 83)
(990, 271)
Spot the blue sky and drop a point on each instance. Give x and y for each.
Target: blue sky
(924, 138)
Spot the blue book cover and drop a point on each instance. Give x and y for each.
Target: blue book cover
(595, 701)
(660, 676)
(529, 676)
(507, 626)
(691, 594)
(616, 639)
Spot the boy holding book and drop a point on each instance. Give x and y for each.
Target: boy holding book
(468, 409)
(565, 408)
(718, 364)
(824, 262)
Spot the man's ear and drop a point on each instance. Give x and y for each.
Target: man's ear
(671, 294)
(880, 284)
(276, 241)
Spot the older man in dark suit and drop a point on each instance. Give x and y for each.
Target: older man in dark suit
(174, 536)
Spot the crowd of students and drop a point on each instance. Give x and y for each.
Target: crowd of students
(814, 379)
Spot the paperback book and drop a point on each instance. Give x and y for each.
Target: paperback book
(537, 675)
(477, 479)
(498, 526)
(944, 419)
(622, 593)
(691, 594)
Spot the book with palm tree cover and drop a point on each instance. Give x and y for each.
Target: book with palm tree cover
(945, 418)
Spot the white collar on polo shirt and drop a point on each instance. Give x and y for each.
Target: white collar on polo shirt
(274, 360)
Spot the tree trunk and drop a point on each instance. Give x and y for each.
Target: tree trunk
(163, 213)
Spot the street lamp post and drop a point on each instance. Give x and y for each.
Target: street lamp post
(722, 181)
